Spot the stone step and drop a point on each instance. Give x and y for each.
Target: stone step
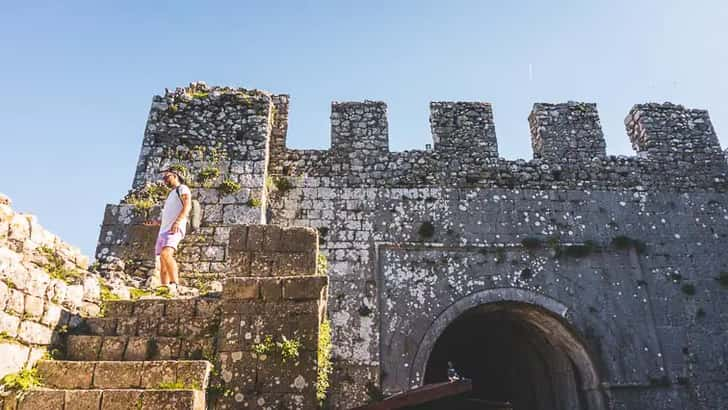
(137, 348)
(108, 399)
(183, 374)
(154, 308)
(164, 326)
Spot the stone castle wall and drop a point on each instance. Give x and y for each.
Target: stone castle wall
(36, 309)
(628, 245)
(409, 233)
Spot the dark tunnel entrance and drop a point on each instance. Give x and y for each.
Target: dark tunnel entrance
(513, 353)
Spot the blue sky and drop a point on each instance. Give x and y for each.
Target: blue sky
(78, 78)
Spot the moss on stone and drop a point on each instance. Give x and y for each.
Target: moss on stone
(324, 361)
(229, 187)
(688, 289)
(21, 381)
(426, 230)
(57, 268)
(531, 243)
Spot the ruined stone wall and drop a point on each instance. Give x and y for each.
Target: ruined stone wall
(628, 244)
(408, 234)
(36, 309)
(220, 136)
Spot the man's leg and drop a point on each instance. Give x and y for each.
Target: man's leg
(172, 269)
(163, 270)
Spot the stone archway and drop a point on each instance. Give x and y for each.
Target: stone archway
(516, 346)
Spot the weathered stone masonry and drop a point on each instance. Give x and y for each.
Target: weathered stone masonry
(623, 252)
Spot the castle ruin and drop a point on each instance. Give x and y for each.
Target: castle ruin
(574, 280)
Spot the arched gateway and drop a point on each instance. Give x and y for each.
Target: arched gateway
(516, 346)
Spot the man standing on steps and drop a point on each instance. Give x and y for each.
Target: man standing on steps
(172, 227)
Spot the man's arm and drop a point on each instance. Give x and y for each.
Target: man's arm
(186, 206)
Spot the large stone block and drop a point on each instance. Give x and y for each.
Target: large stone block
(299, 239)
(139, 348)
(14, 357)
(166, 348)
(271, 289)
(19, 228)
(4, 294)
(193, 373)
(33, 307)
(241, 288)
(173, 399)
(118, 375)
(157, 372)
(83, 347)
(101, 326)
(113, 348)
(180, 308)
(304, 287)
(9, 324)
(119, 308)
(42, 399)
(16, 302)
(52, 315)
(34, 333)
(66, 374)
(149, 308)
(294, 264)
(127, 326)
(238, 239)
(83, 399)
(239, 263)
(121, 399)
(292, 375)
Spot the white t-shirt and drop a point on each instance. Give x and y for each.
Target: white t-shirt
(172, 208)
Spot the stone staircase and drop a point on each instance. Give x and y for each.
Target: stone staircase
(152, 329)
(255, 345)
(142, 355)
(113, 385)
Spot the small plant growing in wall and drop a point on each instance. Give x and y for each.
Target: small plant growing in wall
(322, 265)
(282, 184)
(324, 361)
(266, 346)
(288, 348)
(206, 176)
(136, 293)
(254, 202)
(426, 230)
(177, 385)
(56, 267)
(21, 382)
(199, 94)
(688, 289)
(145, 198)
(229, 187)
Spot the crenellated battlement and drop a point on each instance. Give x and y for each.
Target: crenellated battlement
(459, 127)
(569, 132)
(243, 134)
(677, 149)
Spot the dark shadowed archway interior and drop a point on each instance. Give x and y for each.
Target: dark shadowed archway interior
(513, 353)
